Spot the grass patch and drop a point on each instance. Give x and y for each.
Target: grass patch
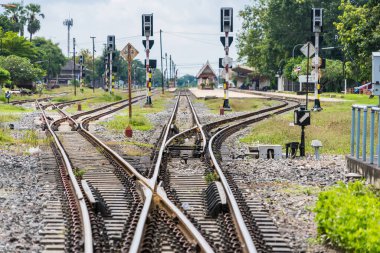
(9, 118)
(295, 189)
(348, 216)
(9, 113)
(332, 126)
(8, 108)
(238, 105)
(5, 136)
(211, 177)
(139, 144)
(139, 121)
(30, 137)
(74, 108)
(135, 151)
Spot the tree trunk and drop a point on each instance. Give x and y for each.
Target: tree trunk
(30, 37)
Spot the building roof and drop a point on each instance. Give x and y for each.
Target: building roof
(243, 69)
(206, 71)
(69, 66)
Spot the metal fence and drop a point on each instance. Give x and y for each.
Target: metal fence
(357, 135)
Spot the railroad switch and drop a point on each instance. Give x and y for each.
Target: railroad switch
(216, 199)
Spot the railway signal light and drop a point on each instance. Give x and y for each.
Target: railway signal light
(111, 43)
(147, 25)
(152, 64)
(83, 71)
(81, 60)
(317, 20)
(226, 19)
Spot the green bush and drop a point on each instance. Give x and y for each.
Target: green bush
(349, 217)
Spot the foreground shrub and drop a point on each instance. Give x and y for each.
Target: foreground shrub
(348, 216)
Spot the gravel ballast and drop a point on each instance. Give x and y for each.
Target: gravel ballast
(21, 201)
(288, 188)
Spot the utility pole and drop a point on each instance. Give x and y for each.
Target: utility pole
(166, 69)
(162, 68)
(147, 30)
(69, 23)
(75, 84)
(93, 63)
(170, 69)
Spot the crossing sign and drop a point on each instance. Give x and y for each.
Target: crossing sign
(129, 52)
(311, 49)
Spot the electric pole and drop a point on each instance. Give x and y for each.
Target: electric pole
(162, 68)
(166, 68)
(170, 69)
(75, 84)
(93, 63)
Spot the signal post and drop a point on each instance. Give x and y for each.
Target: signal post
(226, 26)
(317, 28)
(147, 31)
(111, 48)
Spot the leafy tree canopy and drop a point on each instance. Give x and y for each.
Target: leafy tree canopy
(12, 44)
(50, 56)
(21, 69)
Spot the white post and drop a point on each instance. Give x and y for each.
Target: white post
(148, 99)
(226, 95)
(110, 71)
(345, 86)
(316, 67)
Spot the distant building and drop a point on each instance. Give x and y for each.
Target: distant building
(66, 74)
(206, 77)
(246, 79)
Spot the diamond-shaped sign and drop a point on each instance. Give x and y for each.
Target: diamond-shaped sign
(227, 61)
(311, 49)
(129, 52)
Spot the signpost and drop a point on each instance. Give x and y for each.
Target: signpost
(129, 53)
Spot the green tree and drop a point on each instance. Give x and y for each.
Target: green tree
(271, 28)
(187, 79)
(157, 77)
(359, 34)
(5, 77)
(34, 25)
(6, 24)
(20, 69)
(18, 16)
(292, 68)
(50, 56)
(12, 44)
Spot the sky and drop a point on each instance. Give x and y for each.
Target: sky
(190, 28)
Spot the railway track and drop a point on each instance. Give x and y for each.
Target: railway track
(122, 210)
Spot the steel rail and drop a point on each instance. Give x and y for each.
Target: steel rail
(189, 227)
(241, 226)
(198, 124)
(231, 198)
(153, 180)
(87, 231)
(160, 193)
(148, 191)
